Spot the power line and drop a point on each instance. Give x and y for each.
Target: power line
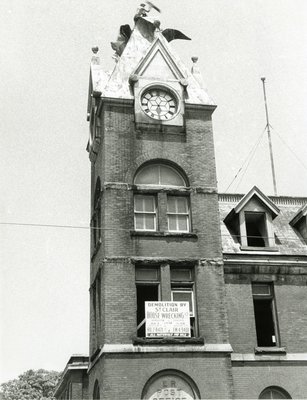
(45, 225)
(289, 148)
(121, 229)
(250, 154)
(250, 160)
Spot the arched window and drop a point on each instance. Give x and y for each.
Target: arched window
(96, 217)
(161, 190)
(159, 175)
(96, 392)
(274, 392)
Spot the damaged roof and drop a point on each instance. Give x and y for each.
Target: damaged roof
(143, 38)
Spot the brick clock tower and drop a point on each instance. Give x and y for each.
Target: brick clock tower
(158, 326)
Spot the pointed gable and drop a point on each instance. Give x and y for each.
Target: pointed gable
(159, 62)
(258, 196)
(302, 212)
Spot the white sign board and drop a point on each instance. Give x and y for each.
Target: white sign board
(167, 318)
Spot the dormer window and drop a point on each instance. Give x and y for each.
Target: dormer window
(299, 222)
(251, 222)
(256, 229)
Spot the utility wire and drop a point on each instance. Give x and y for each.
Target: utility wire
(117, 229)
(247, 158)
(45, 225)
(252, 153)
(249, 161)
(289, 148)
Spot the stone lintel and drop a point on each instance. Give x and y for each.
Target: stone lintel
(280, 269)
(162, 260)
(251, 357)
(168, 348)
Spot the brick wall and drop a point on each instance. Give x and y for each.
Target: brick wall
(123, 149)
(241, 318)
(250, 379)
(123, 377)
(291, 305)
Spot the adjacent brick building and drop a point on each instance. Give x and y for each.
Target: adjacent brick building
(162, 233)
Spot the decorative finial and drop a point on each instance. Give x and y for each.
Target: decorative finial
(196, 72)
(157, 24)
(133, 78)
(95, 58)
(184, 82)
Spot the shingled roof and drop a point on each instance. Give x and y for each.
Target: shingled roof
(288, 240)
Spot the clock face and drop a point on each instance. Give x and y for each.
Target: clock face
(159, 104)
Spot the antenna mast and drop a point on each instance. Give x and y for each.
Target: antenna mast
(269, 137)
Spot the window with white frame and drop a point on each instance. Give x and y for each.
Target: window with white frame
(161, 200)
(145, 213)
(159, 175)
(178, 215)
(182, 289)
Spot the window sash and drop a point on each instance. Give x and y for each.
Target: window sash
(145, 213)
(188, 293)
(178, 214)
(262, 290)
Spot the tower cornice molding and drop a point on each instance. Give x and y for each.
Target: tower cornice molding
(197, 107)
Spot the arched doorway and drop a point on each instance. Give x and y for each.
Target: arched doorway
(170, 384)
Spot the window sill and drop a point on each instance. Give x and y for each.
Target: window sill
(270, 350)
(167, 340)
(164, 234)
(251, 248)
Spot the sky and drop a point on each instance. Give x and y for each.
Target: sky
(45, 170)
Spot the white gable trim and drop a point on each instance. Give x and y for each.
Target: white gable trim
(159, 46)
(302, 212)
(261, 197)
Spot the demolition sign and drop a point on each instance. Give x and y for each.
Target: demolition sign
(167, 318)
